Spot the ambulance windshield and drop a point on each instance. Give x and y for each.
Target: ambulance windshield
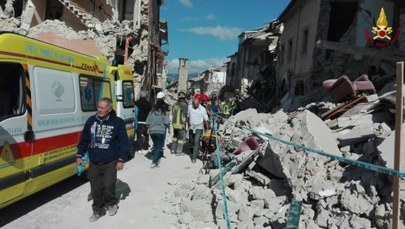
(11, 90)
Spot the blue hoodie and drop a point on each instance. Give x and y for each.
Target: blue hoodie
(105, 140)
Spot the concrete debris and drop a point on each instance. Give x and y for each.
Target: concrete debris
(10, 24)
(387, 150)
(334, 195)
(106, 39)
(357, 134)
(107, 36)
(311, 131)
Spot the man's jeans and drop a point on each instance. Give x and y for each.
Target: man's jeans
(102, 183)
(158, 143)
(195, 140)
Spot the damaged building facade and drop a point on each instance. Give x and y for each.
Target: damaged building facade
(210, 80)
(126, 32)
(251, 70)
(327, 39)
(312, 41)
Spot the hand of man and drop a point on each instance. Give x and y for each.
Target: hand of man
(119, 166)
(79, 160)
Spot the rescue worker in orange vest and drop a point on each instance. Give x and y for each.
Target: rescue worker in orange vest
(179, 123)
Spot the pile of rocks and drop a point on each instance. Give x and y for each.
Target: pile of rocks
(334, 194)
(198, 206)
(10, 24)
(105, 37)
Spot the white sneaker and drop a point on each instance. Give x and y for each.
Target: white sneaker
(112, 210)
(95, 217)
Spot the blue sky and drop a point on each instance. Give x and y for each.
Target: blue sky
(206, 31)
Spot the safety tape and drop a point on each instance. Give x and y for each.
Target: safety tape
(223, 193)
(361, 164)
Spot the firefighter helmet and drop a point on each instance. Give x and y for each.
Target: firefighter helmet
(181, 95)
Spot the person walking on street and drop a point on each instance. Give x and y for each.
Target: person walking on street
(142, 136)
(104, 137)
(166, 108)
(197, 120)
(157, 123)
(179, 123)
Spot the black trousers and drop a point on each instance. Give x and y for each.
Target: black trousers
(142, 137)
(102, 182)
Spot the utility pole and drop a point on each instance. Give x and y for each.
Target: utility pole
(398, 138)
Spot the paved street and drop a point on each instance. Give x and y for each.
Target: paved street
(141, 191)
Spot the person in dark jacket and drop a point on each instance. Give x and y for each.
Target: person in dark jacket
(157, 122)
(142, 136)
(104, 137)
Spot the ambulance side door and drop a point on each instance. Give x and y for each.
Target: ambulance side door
(15, 129)
(125, 106)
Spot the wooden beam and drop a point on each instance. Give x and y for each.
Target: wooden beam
(356, 50)
(398, 138)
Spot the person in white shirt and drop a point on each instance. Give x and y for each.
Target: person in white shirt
(197, 120)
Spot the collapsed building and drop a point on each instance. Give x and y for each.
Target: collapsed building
(327, 39)
(251, 70)
(126, 32)
(328, 143)
(278, 159)
(210, 80)
(313, 41)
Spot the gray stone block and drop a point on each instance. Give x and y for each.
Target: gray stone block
(199, 209)
(185, 218)
(356, 204)
(203, 179)
(261, 221)
(202, 192)
(387, 149)
(357, 134)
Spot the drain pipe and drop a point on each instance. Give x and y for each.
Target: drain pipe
(128, 40)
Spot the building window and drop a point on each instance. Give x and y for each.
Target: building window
(299, 88)
(342, 15)
(304, 48)
(289, 51)
(54, 10)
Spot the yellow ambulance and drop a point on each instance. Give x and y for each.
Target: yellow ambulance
(46, 95)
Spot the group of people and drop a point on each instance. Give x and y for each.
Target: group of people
(188, 122)
(105, 139)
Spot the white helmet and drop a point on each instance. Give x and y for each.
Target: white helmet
(160, 95)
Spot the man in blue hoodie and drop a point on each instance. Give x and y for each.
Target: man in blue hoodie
(105, 139)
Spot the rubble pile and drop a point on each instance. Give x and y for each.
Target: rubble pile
(55, 26)
(105, 37)
(334, 194)
(10, 24)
